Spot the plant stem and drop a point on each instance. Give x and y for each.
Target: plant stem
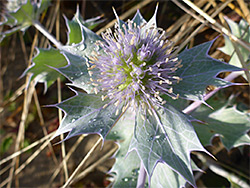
(141, 177)
(43, 30)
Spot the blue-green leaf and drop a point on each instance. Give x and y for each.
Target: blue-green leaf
(74, 64)
(230, 124)
(77, 71)
(126, 166)
(242, 31)
(138, 19)
(75, 30)
(164, 177)
(85, 113)
(165, 136)
(87, 46)
(199, 70)
(21, 13)
(40, 69)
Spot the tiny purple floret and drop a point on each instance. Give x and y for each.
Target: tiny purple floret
(135, 66)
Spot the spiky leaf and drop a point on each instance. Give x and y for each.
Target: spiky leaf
(126, 165)
(227, 122)
(165, 136)
(81, 41)
(77, 71)
(199, 70)
(165, 177)
(75, 34)
(40, 69)
(85, 113)
(21, 14)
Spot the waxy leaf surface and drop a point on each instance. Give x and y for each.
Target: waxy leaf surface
(84, 113)
(41, 68)
(230, 124)
(81, 42)
(165, 177)
(199, 70)
(126, 165)
(77, 72)
(166, 136)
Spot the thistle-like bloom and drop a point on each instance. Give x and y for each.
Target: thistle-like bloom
(135, 66)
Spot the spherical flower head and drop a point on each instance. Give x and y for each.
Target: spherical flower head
(135, 66)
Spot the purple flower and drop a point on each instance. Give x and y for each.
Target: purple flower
(135, 66)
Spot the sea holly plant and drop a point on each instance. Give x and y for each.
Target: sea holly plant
(130, 71)
(130, 79)
(21, 14)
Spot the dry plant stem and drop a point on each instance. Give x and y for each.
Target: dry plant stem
(182, 20)
(142, 177)
(21, 130)
(82, 163)
(23, 47)
(195, 32)
(45, 132)
(50, 23)
(185, 29)
(40, 28)
(216, 168)
(220, 171)
(94, 165)
(234, 8)
(33, 156)
(3, 170)
(72, 149)
(26, 148)
(125, 15)
(59, 92)
(20, 136)
(216, 24)
(66, 174)
(50, 14)
(245, 10)
(52, 20)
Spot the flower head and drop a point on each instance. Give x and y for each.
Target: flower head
(135, 66)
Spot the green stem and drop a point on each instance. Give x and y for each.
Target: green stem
(43, 30)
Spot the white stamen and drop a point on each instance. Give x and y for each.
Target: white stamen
(117, 112)
(149, 111)
(90, 73)
(95, 90)
(170, 90)
(104, 106)
(117, 103)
